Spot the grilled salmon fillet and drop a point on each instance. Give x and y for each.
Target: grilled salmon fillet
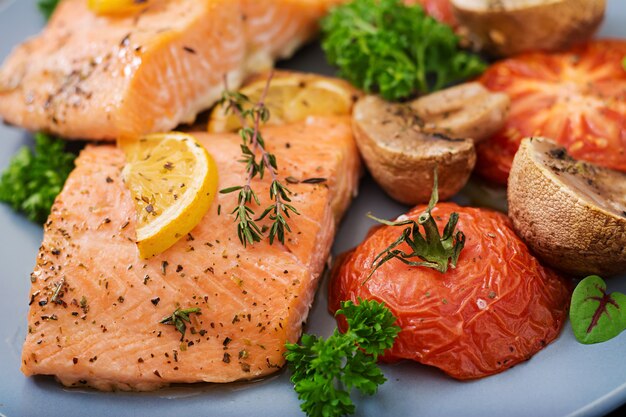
(95, 77)
(95, 306)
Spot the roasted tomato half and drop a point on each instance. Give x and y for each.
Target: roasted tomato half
(439, 9)
(577, 98)
(497, 308)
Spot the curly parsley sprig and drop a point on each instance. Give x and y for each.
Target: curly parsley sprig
(33, 179)
(435, 251)
(279, 211)
(324, 372)
(394, 49)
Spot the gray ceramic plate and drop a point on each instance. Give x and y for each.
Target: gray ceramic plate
(565, 379)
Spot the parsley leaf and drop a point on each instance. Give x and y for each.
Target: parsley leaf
(46, 7)
(397, 50)
(33, 179)
(325, 371)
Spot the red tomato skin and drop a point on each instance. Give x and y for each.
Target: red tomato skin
(497, 308)
(577, 98)
(441, 10)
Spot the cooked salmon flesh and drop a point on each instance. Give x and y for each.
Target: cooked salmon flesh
(96, 307)
(103, 77)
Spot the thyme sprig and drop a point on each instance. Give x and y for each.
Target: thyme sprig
(435, 251)
(251, 116)
(178, 319)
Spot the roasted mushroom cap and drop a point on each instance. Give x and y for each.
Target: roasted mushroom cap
(467, 110)
(402, 144)
(402, 158)
(571, 213)
(509, 27)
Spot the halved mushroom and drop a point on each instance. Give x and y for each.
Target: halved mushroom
(465, 111)
(571, 213)
(508, 27)
(402, 143)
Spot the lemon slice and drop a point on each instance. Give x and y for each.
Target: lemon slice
(291, 97)
(116, 6)
(173, 180)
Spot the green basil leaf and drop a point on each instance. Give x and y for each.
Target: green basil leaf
(596, 315)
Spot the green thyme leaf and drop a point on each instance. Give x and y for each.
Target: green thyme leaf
(394, 49)
(179, 318)
(436, 251)
(46, 7)
(32, 180)
(596, 315)
(324, 372)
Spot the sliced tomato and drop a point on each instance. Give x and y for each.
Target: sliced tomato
(497, 308)
(577, 98)
(441, 10)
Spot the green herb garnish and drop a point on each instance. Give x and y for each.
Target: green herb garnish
(595, 315)
(46, 7)
(397, 50)
(178, 319)
(435, 251)
(251, 115)
(624, 63)
(33, 179)
(325, 371)
(57, 291)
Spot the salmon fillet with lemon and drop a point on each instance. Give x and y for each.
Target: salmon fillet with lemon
(96, 306)
(102, 77)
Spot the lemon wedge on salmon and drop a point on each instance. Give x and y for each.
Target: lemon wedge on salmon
(173, 181)
(116, 6)
(291, 97)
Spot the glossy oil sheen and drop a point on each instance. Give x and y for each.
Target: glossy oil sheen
(565, 379)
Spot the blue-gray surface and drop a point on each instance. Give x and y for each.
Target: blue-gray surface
(565, 379)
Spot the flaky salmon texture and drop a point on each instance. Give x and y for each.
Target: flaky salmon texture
(95, 306)
(97, 77)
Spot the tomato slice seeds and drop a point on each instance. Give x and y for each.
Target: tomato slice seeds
(577, 98)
